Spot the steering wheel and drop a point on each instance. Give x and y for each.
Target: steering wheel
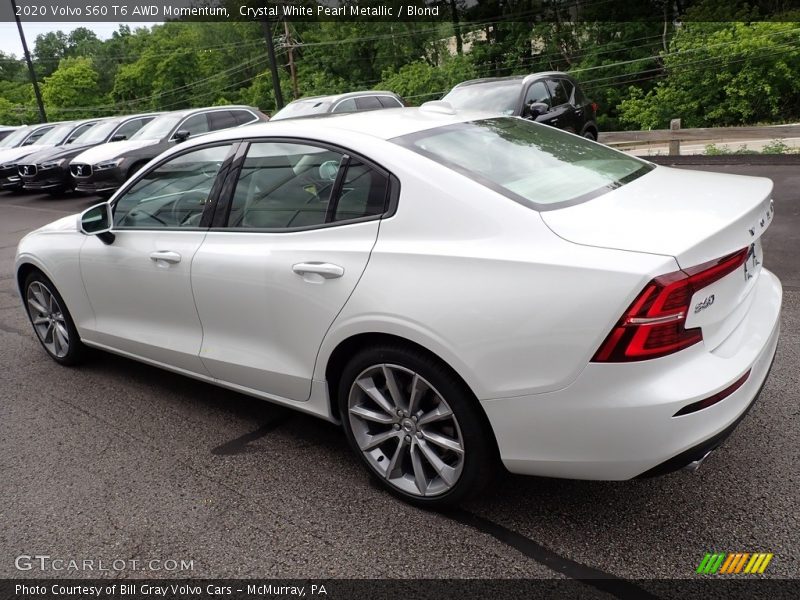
(188, 209)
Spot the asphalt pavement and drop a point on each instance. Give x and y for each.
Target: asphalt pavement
(116, 460)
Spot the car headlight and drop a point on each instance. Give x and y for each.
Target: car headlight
(107, 164)
(52, 164)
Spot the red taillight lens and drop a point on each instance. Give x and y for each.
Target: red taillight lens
(594, 107)
(653, 325)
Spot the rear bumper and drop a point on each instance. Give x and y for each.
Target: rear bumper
(616, 420)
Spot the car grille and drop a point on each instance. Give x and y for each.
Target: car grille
(26, 170)
(81, 170)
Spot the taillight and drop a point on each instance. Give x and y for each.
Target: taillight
(653, 325)
(594, 107)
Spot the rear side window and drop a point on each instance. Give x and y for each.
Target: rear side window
(195, 124)
(285, 185)
(557, 92)
(364, 192)
(221, 119)
(367, 103)
(389, 102)
(569, 90)
(243, 116)
(530, 163)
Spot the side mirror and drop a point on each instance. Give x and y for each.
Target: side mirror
(181, 135)
(534, 110)
(97, 220)
(119, 137)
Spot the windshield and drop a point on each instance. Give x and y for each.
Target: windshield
(302, 108)
(98, 133)
(15, 137)
(496, 97)
(56, 135)
(157, 128)
(531, 163)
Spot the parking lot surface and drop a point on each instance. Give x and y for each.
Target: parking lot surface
(118, 460)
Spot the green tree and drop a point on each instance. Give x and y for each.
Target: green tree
(71, 91)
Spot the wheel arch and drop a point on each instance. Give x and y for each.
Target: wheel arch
(24, 269)
(354, 343)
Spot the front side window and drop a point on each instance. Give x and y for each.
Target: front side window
(533, 164)
(172, 194)
(131, 127)
(79, 131)
(344, 106)
(195, 124)
(285, 185)
(537, 93)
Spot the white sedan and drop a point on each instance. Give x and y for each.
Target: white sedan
(458, 290)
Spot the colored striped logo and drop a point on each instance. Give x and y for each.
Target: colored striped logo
(720, 563)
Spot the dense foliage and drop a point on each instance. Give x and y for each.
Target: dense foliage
(710, 62)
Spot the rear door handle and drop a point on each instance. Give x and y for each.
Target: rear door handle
(326, 270)
(166, 256)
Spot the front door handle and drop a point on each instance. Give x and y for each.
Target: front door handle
(326, 270)
(166, 256)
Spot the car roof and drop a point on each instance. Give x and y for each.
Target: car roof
(191, 111)
(522, 79)
(381, 124)
(337, 97)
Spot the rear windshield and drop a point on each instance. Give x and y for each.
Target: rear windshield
(496, 97)
(303, 108)
(534, 164)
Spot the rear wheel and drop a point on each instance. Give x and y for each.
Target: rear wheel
(51, 320)
(589, 134)
(415, 426)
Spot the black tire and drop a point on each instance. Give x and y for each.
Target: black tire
(76, 351)
(478, 461)
(589, 134)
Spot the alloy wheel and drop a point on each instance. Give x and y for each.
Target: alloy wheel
(48, 319)
(406, 430)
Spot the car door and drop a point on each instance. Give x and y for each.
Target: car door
(290, 246)
(139, 285)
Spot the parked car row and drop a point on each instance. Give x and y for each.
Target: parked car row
(98, 155)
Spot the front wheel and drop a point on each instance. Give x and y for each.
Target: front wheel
(51, 320)
(415, 426)
(590, 135)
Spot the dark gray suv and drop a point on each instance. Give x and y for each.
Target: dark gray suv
(552, 97)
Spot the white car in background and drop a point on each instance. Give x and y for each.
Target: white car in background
(456, 289)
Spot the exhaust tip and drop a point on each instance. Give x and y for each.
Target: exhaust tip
(695, 464)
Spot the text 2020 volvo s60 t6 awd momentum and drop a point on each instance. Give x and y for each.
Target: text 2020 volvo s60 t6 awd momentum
(454, 288)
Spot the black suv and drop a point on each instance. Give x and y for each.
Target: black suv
(340, 103)
(102, 169)
(48, 170)
(552, 97)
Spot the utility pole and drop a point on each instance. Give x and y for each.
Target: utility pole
(290, 47)
(42, 115)
(276, 82)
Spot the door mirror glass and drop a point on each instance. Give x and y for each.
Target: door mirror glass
(97, 219)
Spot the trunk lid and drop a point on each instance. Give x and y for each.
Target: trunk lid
(694, 216)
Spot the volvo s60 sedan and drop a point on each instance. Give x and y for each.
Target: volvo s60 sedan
(459, 290)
